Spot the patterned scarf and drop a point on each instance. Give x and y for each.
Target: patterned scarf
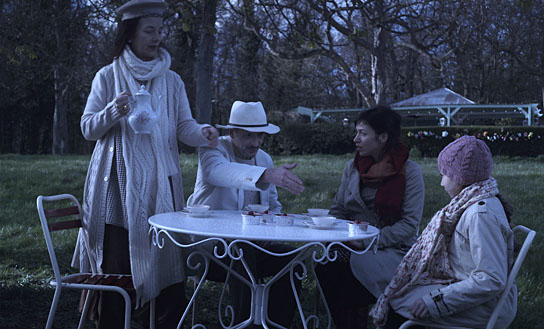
(148, 164)
(427, 261)
(388, 176)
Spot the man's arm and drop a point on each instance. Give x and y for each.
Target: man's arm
(218, 170)
(283, 177)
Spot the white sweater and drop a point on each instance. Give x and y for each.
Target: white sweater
(166, 266)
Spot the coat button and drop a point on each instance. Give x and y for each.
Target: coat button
(106, 179)
(111, 148)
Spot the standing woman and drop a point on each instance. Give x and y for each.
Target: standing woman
(382, 187)
(134, 176)
(459, 282)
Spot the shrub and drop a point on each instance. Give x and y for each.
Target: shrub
(507, 141)
(333, 138)
(302, 138)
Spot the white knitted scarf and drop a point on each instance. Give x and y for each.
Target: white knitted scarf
(427, 262)
(148, 163)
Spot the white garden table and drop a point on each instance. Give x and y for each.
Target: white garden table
(224, 230)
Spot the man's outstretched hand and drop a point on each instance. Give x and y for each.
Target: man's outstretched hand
(284, 178)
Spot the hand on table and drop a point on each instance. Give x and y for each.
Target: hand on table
(122, 103)
(211, 135)
(284, 178)
(419, 310)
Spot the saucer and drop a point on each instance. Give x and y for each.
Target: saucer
(197, 214)
(319, 227)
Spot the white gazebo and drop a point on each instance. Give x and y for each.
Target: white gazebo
(447, 104)
(455, 108)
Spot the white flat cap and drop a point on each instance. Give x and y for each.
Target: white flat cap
(139, 8)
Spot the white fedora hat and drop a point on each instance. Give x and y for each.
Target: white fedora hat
(249, 116)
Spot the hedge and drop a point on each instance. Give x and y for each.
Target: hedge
(333, 138)
(506, 141)
(304, 138)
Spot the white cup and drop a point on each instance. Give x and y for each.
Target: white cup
(251, 219)
(323, 220)
(284, 220)
(260, 208)
(198, 209)
(314, 212)
(357, 228)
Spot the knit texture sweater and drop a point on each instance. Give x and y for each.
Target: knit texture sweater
(148, 176)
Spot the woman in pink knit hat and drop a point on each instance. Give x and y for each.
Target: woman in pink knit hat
(454, 273)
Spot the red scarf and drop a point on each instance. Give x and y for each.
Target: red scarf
(388, 176)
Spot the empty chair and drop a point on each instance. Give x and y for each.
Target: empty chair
(69, 217)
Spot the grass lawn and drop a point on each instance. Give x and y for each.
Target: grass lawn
(24, 264)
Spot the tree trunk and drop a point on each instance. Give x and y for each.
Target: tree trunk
(204, 64)
(248, 60)
(410, 73)
(378, 65)
(60, 121)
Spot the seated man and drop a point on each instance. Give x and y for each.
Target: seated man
(239, 173)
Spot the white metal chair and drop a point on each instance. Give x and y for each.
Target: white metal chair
(509, 282)
(72, 216)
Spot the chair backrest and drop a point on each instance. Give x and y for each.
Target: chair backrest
(69, 217)
(513, 272)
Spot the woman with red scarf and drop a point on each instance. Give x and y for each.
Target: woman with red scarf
(382, 187)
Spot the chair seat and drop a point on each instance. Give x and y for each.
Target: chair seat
(110, 280)
(70, 217)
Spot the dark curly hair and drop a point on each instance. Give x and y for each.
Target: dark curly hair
(383, 120)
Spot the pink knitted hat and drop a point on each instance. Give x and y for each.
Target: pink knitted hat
(466, 160)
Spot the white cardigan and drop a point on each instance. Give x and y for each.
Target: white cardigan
(96, 122)
(221, 181)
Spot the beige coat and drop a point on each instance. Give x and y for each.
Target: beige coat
(481, 255)
(374, 271)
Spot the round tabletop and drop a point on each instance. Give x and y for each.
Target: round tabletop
(228, 224)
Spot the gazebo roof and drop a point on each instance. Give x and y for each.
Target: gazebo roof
(444, 103)
(442, 96)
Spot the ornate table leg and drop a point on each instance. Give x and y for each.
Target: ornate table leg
(260, 291)
(198, 251)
